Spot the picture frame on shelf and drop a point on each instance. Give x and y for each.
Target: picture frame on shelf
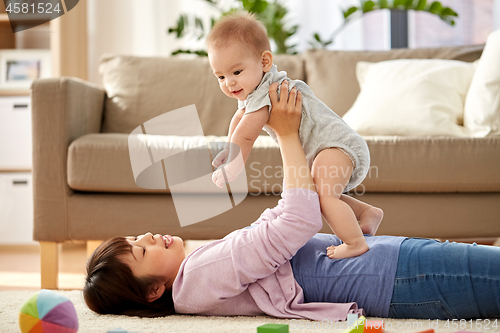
(18, 68)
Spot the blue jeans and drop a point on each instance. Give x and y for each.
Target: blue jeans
(443, 280)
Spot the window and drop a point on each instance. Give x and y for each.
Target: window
(473, 25)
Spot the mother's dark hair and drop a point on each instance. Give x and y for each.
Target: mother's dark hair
(111, 288)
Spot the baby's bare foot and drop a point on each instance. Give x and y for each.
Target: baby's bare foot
(347, 250)
(370, 220)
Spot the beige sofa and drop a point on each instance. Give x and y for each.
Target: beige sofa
(84, 189)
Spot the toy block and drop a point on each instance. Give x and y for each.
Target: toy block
(351, 319)
(357, 327)
(427, 331)
(374, 326)
(272, 328)
(117, 330)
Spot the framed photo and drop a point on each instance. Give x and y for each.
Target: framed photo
(18, 68)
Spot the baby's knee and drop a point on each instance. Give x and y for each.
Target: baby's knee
(327, 197)
(328, 189)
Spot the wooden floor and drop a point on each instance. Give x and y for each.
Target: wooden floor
(20, 265)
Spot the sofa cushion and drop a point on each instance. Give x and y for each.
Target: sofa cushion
(432, 164)
(332, 74)
(101, 163)
(482, 105)
(141, 88)
(411, 97)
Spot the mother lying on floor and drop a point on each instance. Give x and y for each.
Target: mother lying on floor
(278, 266)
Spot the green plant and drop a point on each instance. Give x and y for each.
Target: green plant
(269, 13)
(352, 13)
(272, 15)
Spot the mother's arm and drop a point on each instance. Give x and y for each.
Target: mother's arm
(285, 123)
(297, 217)
(215, 273)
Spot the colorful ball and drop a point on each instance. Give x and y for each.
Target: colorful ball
(48, 312)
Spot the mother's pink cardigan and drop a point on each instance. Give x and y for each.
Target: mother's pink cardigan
(248, 272)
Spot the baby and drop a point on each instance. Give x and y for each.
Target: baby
(240, 57)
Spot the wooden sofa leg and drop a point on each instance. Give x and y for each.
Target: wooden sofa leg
(92, 245)
(49, 259)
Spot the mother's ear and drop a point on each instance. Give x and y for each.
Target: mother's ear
(156, 292)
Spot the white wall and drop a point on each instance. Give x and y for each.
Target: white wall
(140, 28)
(129, 27)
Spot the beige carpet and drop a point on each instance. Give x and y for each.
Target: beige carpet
(11, 301)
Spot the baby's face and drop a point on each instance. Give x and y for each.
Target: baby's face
(238, 72)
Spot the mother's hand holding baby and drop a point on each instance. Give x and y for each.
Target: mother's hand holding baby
(286, 114)
(287, 121)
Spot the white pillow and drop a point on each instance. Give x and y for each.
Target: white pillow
(411, 97)
(482, 105)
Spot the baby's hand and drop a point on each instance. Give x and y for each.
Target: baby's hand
(231, 171)
(218, 175)
(221, 158)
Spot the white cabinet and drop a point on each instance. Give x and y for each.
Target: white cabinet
(16, 189)
(15, 133)
(16, 208)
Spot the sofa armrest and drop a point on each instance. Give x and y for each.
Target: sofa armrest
(63, 109)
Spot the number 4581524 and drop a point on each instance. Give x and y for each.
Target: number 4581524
(485, 324)
(42, 8)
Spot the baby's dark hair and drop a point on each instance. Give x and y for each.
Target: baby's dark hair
(242, 27)
(111, 287)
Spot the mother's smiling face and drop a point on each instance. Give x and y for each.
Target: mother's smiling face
(156, 255)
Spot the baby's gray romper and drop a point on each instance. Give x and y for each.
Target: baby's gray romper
(320, 127)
